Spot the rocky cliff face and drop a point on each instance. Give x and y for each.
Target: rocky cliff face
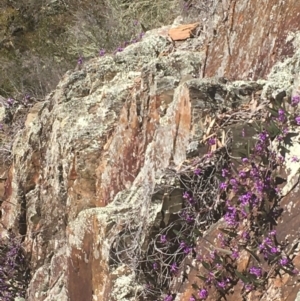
(95, 170)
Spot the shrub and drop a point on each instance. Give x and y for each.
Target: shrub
(110, 24)
(14, 274)
(244, 192)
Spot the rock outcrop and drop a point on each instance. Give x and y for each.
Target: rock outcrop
(89, 181)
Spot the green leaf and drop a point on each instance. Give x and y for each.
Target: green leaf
(274, 258)
(195, 286)
(206, 265)
(273, 112)
(242, 277)
(273, 129)
(253, 254)
(248, 149)
(177, 233)
(288, 271)
(197, 233)
(257, 282)
(247, 209)
(202, 277)
(228, 232)
(256, 127)
(283, 149)
(242, 154)
(217, 274)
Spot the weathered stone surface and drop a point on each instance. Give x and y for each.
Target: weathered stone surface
(85, 167)
(245, 38)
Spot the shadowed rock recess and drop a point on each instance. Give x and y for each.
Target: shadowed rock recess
(96, 170)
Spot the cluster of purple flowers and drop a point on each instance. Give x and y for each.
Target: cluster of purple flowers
(249, 194)
(256, 271)
(252, 188)
(295, 100)
(231, 216)
(13, 280)
(268, 247)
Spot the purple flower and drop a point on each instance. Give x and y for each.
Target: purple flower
(119, 49)
(135, 22)
(189, 218)
(279, 137)
(186, 195)
(10, 101)
(245, 198)
(197, 171)
(203, 294)
(168, 298)
(182, 245)
(243, 132)
(242, 174)
(235, 254)
(268, 241)
(258, 148)
(213, 254)
(208, 155)
(192, 298)
(80, 60)
(187, 250)
(223, 186)
(281, 115)
(295, 159)
(163, 239)
(297, 119)
(101, 52)
(246, 235)
(248, 287)
(263, 136)
(283, 261)
(222, 284)
(272, 233)
(155, 266)
(211, 141)
(26, 98)
(234, 183)
(255, 271)
(174, 267)
(245, 160)
(274, 250)
(191, 201)
(295, 100)
(231, 216)
(259, 185)
(254, 172)
(224, 172)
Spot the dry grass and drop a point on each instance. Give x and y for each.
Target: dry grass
(108, 23)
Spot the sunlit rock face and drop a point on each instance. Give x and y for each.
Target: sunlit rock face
(89, 162)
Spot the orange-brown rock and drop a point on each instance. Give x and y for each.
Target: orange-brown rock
(182, 32)
(87, 164)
